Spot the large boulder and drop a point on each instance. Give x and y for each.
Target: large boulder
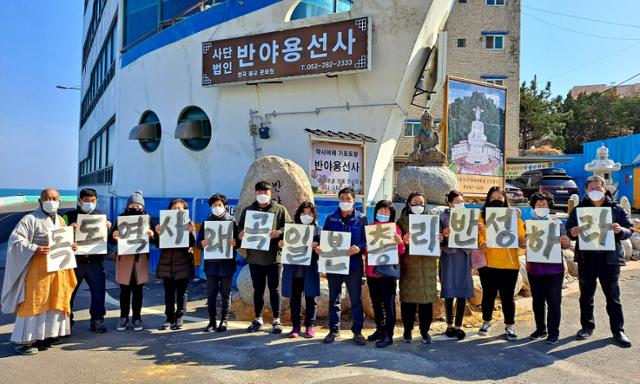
(526, 288)
(433, 182)
(477, 291)
(572, 266)
(627, 248)
(290, 183)
(635, 240)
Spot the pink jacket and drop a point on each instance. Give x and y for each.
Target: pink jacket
(401, 249)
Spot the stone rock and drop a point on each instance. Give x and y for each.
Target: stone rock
(571, 266)
(433, 182)
(635, 240)
(627, 248)
(477, 291)
(625, 204)
(526, 288)
(290, 183)
(519, 285)
(432, 157)
(635, 255)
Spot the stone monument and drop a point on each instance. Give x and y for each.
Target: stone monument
(604, 167)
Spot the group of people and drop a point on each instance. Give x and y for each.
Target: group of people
(43, 301)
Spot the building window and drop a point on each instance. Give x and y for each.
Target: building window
(462, 43)
(411, 128)
(494, 41)
(314, 8)
(101, 73)
(495, 81)
(96, 15)
(148, 132)
(462, 1)
(495, 2)
(96, 167)
(194, 129)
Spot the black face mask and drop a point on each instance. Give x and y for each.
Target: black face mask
(133, 211)
(496, 204)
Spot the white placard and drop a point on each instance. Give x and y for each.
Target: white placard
(502, 227)
(60, 256)
(382, 248)
(297, 244)
(218, 234)
(464, 228)
(257, 227)
(335, 252)
(543, 241)
(91, 235)
(596, 233)
(424, 235)
(174, 228)
(132, 234)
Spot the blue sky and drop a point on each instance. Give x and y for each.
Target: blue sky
(41, 42)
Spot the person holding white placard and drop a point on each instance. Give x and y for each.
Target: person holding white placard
(455, 272)
(40, 299)
(501, 273)
(175, 268)
(90, 267)
(219, 272)
(132, 271)
(603, 266)
(303, 280)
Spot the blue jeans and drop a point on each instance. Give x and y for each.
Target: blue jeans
(354, 287)
(93, 272)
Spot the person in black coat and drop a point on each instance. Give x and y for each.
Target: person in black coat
(219, 272)
(600, 265)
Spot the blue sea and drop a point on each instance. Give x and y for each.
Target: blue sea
(32, 192)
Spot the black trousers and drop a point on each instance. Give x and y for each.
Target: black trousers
(546, 291)
(297, 291)
(126, 293)
(383, 298)
(217, 285)
(591, 269)
(175, 298)
(93, 273)
(461, 304)
(261, 276)
(408, 315)
(494, 281)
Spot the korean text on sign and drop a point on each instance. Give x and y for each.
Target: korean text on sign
(133, 237)
(464, 228)
(174, 228)
(218, 234)
(297, 244)
(596, 233)
(91, 235)
(382, 248)
(424, 231)
(257, 228)
(502, 227)
(543, 241)
(60, 256)
(334, 257)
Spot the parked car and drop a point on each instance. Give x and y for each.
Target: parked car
(514, 194)
(553, 180)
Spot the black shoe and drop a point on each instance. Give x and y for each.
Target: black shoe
(622, 339)
(584, 334)
(222, 327)
(178, 324)
(211, 327)
(254, 327)
(41, 345)
(276, 327)
(166, 325)
(426, 338)
(460, 334)
(25, 349)
(331, 337)
(538, 335)
(384, 342)
(450, 332)
(377, 335)
(407, 337)
(359, 339)
(552, 340)
(97, 326)
(51, 341)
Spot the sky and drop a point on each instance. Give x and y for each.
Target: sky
(41, 43)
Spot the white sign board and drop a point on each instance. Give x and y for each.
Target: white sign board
(335, 252)
(382, 248)
(91, 235)
(464, 228)
(333, 166)
(424, 235)
(132, 234)
(297, 244)
(502, 227)
(218, 234)
(257, 228)
(543, 241)
(596, 233)
(60, 256)
(174, 228)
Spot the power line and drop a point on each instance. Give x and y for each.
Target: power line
(595, 61)
(582, 17)
(580, 32)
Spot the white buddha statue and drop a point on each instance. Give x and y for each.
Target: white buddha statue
(477, 140)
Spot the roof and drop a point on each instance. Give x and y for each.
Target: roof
(538, 159)
(341, 135)
(621, 90)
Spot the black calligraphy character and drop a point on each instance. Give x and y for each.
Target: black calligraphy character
(381, 243)
(134, 233)
(420, 229)
(219, 242)
(335, 240)
(256, 232)
(552, 239)
(60, 248)
(296, 245)
(534, 238)
(459, 224)
(504, 237)
(88, 227)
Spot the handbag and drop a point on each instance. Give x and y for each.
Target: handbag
(478, 259)
(389, 271)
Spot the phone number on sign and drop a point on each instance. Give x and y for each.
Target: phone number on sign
(326, 64)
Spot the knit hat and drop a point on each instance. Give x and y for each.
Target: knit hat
(136, 198)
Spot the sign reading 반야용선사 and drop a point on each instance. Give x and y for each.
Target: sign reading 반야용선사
(338, 47)
(333, 166)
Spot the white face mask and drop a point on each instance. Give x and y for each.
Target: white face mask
(542, 212)
(217, 211)
(263, 198)
(87, 207)
(417, 209)
(50, 206)
(459, 205)
(596, 195)
(346, 206)
(306, 219)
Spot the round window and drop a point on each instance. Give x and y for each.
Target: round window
(194, 129)
(149, 131)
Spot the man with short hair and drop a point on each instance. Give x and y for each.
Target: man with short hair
(601, 265)
(40, 299)
(90, 267)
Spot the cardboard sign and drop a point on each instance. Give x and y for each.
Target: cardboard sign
(297, 244)
(91, 235)
(335, 252)
(595, 229)
(464, 228)
(174, 228)
(424, 231)
(543, 241)
(60, 256)
(218, 234)
(257, 227)
(382, 248)
(133, 238)
(502, 227)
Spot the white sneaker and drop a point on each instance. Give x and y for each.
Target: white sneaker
(510, 334)
(484, 329)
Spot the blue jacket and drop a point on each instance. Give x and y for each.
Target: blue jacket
(311, 274)
(354, 224)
